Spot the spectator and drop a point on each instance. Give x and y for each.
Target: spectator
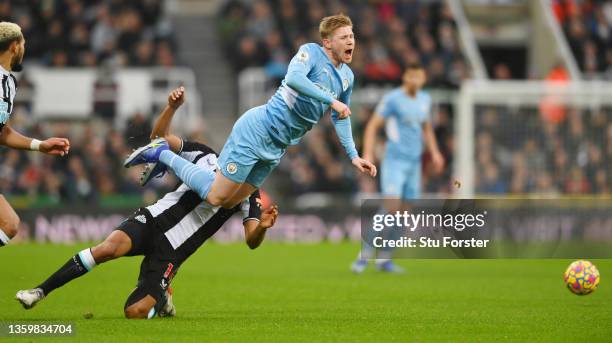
(390, 35)
(87, 33)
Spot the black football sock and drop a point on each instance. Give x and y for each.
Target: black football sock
(76, 266)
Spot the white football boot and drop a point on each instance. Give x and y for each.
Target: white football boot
(168, 310)
(29, 297)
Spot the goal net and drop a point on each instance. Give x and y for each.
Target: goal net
(533, 138)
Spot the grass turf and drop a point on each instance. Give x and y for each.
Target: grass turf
(306, 292)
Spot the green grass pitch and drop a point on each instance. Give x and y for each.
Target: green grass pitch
(285, 292)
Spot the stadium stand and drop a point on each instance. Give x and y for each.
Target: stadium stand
(389, 36)
(89, 33)
(588, 28)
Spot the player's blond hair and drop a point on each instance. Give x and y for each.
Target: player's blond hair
(329, 24)
(9, 33)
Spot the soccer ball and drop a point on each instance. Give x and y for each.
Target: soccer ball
(581, 277)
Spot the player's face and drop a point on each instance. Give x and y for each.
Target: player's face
(16, 62)
(342, 44)
(414, 78)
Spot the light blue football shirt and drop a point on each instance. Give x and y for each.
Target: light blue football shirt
(404, 117)
(291, 113)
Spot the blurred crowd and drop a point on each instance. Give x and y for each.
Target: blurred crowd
(588, 27)
(93, 169)
(389, 35)
(520, 150)
(63, 33)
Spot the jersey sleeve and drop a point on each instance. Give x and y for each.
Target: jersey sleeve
(251, 207)
(343, 127)
(384, 107)
(297, 75)
(428, 105)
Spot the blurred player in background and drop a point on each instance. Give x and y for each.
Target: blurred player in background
(12, 49)
(318, 79)
(405, 114)
(166, 233)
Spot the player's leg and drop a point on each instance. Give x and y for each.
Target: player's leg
(254, 180)
(269, 157)
(410, 189)
(9, 222)
(390, 181)
(243, 192)
(153, 295)
(248, 157)
(117, 244)
(236, 160)
(128, 239)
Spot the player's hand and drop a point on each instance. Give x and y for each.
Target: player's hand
(55, 146)
(364, 166)
(176, 97)
(437, 161)
(368, 157)
(343, 110)
(268, 217)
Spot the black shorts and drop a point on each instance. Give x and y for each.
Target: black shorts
(160, 262)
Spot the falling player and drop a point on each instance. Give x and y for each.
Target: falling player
(405, 114)
(318, 78)
(166, 233)
(12, 49)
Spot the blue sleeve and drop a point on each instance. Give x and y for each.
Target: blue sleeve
(384, 107)
(297, 78)
(343, 127)
(428, 104)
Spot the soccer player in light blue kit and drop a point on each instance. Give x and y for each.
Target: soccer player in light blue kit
(405, 114)
(318, 79)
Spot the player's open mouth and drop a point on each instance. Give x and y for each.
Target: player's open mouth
(348, 52)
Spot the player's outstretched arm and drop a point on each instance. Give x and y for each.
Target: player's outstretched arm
(51, 146)
(297, 79)
(370, 137)
(432, 146)
(176, 98)
(345, 135)
(255, 230)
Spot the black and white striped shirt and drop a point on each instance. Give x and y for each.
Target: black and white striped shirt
(9, 89)
(185, 219)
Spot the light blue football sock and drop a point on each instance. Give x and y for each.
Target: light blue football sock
(198, 179)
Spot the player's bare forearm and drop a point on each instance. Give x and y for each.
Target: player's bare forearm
(371, 135)
(161, 128)
(432, 146)
(255, 231)
(52, 146)
(13, 139)
(430, 139)
(162, 124)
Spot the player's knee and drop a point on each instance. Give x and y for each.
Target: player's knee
(217, 200)
(137, 311)
(106, 251)
(10, 224)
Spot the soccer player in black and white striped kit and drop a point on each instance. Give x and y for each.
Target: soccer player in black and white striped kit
(12, 49)
(166, 233)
